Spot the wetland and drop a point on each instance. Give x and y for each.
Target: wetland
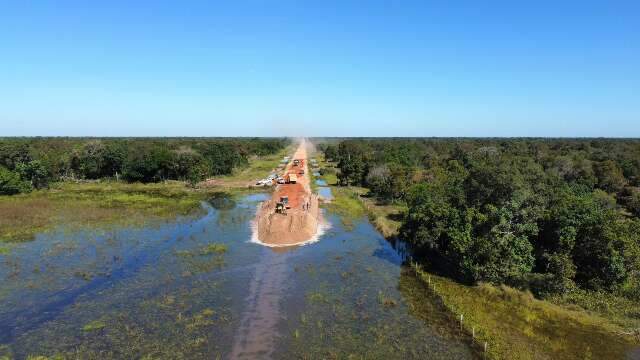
(197, 287)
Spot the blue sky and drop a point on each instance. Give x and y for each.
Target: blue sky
(321, 68)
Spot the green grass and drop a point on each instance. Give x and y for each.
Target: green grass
(4, 249)
(94, 325)
(346, 204)
(330, 177)
(258, 168)
(517, 326)
(385, 217)
(95, 204)
(214, 249)
(616, 307)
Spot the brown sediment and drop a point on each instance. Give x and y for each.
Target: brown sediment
(300, 224)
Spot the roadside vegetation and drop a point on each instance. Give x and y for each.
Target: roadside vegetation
(45, 182)
(515, 325)
(32, 163)
(555, 218)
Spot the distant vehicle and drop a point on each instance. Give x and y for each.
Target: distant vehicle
(281, 180)
(301, 172)
(296, 162)
(265, 182)
(293, 179)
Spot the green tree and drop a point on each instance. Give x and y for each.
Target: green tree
(11, 183)
(150, 163)
(34, 173)
(583, 228)
(13, 153)
(610, 176)
(352, 163)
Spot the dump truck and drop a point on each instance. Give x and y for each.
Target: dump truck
(293, 178)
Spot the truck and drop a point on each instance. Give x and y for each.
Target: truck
(293, 178)
(296, 162)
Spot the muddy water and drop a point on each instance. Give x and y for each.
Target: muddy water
(160, 292)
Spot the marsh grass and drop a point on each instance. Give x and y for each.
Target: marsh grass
(619, 309)
(387, 218)
(214, 249)
(94, 326)
(95, 204)
(203, 260)
(346, 205)
(4, 249)
(517, 326)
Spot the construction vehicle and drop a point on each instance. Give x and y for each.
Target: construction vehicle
(284, 199)
(281, 208)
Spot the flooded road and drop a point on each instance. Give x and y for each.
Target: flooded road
(199, 289)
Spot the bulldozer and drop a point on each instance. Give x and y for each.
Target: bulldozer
(281, 208)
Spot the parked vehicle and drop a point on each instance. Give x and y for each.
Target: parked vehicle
(265, 182)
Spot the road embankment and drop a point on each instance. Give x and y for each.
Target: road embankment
(300, 223)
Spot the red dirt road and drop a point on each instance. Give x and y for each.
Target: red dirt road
(300, 224)
(299, 192)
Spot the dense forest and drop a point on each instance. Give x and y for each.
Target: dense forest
(31, 163)
(549, 215)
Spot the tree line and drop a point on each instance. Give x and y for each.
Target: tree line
(549, 215)
(31, 163)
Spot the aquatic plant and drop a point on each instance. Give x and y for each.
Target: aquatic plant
(94, 325)
(4, 250)
(214, 248)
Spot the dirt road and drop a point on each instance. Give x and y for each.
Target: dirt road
(300, 224)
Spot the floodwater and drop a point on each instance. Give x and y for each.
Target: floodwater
(162, 291)
(323, 190)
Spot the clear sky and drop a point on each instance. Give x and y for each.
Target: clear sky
(320, 68)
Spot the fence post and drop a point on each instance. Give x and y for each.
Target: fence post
(461, 318)
(473, 332)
